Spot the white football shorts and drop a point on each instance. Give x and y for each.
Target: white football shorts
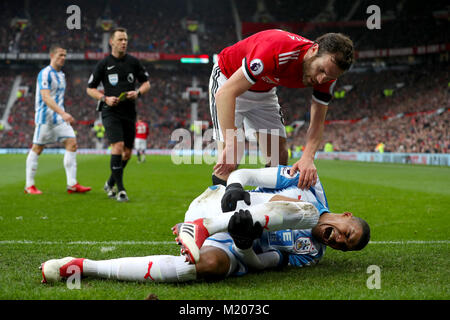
(140, 144)
(208, 205)
(51, 133)
(254, 110)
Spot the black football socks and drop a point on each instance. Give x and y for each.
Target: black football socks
(116, 171)
(111, 180)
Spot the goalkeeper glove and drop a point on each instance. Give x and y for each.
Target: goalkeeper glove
(242, 229)
(233, 193)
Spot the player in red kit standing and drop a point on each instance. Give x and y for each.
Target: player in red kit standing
(242, 92)
(140, 142)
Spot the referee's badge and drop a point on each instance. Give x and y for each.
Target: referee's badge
(113, 78)
(130, 78)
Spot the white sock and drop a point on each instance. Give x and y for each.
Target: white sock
(70, 164)
(273, 216)
(161, 268)
(31, 168)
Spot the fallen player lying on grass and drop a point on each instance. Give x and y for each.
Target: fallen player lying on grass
(271, 226)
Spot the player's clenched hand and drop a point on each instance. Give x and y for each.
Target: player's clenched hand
(308, 173)
(234, 193)
(112, 101)
(242, 229)
(67, 117)
(132, 95)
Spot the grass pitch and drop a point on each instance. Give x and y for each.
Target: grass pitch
(407, 207)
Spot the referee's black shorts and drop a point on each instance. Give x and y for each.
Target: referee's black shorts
(119, 129)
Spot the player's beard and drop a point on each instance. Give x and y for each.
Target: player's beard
(307, 70)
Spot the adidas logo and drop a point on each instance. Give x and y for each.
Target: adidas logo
(188, 228)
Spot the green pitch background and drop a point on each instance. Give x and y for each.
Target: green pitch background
(407, 207)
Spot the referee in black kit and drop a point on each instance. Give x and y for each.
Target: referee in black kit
(118, 72)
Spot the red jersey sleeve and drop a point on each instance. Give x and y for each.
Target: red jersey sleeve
(323, 93)
(259, 61)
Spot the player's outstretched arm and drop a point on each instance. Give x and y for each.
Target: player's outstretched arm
(226, 106)
(306, 167)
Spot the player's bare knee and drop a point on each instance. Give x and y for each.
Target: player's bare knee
(37, 149)
(71, 145)
(117, 147)
(213, 263)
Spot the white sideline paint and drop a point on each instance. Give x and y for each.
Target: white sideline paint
(111, 243)
(412, 242)
(106, 243)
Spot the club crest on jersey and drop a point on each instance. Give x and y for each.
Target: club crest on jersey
(303, 245)
(256, 66)
(286, 172)
(113, 78)
(130, 78)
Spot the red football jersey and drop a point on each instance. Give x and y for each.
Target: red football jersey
(272, 58)
(141, 130)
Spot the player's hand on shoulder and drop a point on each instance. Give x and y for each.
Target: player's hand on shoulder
(234, 193)
(308, 173)
(242, 229)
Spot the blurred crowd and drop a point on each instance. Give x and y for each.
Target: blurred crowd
(399, 119)
(153, 26)
(396, 117)
(164, 26)
(370, 99)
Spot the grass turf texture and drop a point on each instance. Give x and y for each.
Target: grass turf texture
(401, 203)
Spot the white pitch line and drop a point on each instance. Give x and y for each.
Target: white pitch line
(412, 242)
(173, 242)
(87, 242)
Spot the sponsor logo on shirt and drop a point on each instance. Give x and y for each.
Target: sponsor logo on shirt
(113, 78)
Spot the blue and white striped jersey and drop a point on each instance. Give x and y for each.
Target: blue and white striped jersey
(55, 81)
(287, 186)
(300, 246)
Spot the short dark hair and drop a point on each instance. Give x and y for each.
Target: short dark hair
(340, 46)
(55, 47)
(113, 32)
(365, 235)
